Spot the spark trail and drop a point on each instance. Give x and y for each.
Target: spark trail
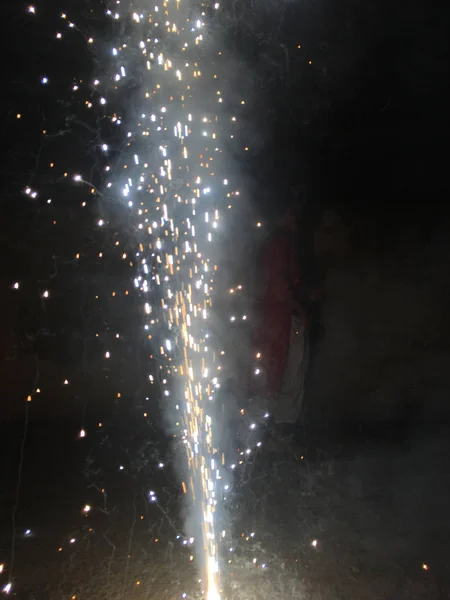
(173, 181)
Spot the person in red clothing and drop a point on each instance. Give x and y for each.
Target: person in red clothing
(279, 332)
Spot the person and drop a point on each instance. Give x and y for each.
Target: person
(279, 335)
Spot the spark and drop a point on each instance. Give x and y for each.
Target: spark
(188, 218)
(176, 202)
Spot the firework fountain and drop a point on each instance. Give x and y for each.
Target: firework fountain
(163, 86)
(172, 177)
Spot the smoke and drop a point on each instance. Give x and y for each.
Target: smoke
(383, 355)
(179, 98)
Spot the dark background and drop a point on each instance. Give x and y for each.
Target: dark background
(357, 116)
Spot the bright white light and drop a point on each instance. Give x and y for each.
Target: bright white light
(168, 172)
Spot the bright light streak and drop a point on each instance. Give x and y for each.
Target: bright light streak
(7, 588)
(169, 197)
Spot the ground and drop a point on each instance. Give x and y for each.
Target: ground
(354, 521)
(368, 523)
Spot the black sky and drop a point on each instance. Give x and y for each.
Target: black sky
(370, 116)
(367, 123)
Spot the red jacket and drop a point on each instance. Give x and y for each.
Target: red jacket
(279, 283)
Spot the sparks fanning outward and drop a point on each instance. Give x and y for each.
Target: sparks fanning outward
(163, 90)
(172, 183)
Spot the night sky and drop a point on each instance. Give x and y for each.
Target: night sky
(357, 114)
(347, 101)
